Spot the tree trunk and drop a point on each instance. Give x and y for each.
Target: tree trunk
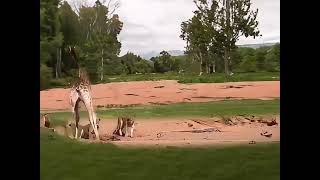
(58, 65)
(227, 46)
(101, 75)
(207, 68)
(226, 62)
(214, 67)
(201, 65)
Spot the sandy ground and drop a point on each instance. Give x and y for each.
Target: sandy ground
(167, 132)
(161, 92)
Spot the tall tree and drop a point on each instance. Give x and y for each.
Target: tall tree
(100, 34)
(224, 21)
(194, 32)
(51, 38)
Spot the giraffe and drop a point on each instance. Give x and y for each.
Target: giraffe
(81, 91)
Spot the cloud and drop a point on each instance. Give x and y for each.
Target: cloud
(154, 25)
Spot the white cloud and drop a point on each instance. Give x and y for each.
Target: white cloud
(154, 25)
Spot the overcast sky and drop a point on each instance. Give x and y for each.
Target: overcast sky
(154, 25)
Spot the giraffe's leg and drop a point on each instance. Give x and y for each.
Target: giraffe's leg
(81, 134)
(92, 116)
(74, 102)
(131, 131)
(126, 129)
(120, 127)
(77, 116)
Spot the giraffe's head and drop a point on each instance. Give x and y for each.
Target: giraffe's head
(72, 52)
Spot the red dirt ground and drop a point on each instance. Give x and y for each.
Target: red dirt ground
(162, 92)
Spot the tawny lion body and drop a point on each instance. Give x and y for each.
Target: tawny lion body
(85, 131)
(124, 123)
(45, 122)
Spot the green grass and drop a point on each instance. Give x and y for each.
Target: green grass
(207, 109)
(194, 78)
(65, 159)
(181, 78)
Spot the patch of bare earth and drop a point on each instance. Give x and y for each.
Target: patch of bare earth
(195, 131)
(161, 92)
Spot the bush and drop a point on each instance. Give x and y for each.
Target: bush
(45, 77)
(249, 64)
(59, 83)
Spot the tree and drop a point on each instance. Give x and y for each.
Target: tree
(70, 26)
(129, 60)
(70, 29)
(260, 57)
(222, 23)
(249, 64)
(194, 32)
(100, 35)
(45, 76)
(51, 38)
(272, 58)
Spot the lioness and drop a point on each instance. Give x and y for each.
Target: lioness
(122, 127)
(45, 122)
(84, 131)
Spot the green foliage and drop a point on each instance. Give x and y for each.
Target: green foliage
(94, 33)
(260, 59)
(143, 66)
(114, 67)
(45, 77)
(135, 64)
(165, 63)
(70, 26)
(272, 58)
(249, 64)
(215, 28)
(195, 78)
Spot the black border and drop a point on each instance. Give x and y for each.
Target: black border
(298, 90)
(20, 88)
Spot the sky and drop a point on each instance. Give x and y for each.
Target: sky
(154, 25)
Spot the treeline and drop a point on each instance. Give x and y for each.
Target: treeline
(94, 31)
(243, 59)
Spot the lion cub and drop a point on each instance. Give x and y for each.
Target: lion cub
(124, 123)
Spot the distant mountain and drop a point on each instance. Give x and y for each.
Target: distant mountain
(151, 54)
(255, 46)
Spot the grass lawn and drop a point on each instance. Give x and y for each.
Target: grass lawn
(194, 78)
(66, 159)
(207, 109)
(181, 78)
(63, 158)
